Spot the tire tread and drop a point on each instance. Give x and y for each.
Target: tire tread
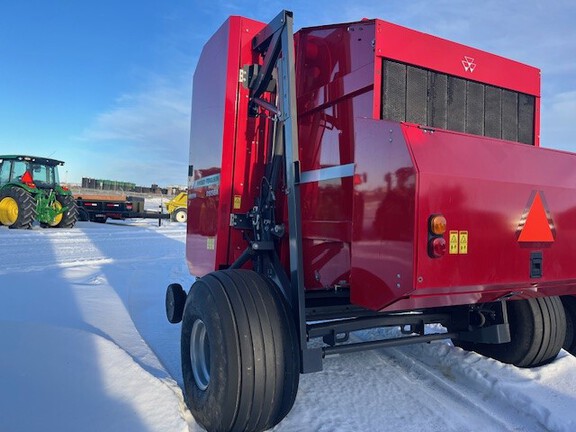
(261, 370)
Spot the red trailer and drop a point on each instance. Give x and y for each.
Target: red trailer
(363, 175)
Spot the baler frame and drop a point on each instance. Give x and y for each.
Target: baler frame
(259, 306)
(275, 43)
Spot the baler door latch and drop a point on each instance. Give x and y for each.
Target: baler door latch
(535, 265)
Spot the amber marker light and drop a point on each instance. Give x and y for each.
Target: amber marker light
(437, 225)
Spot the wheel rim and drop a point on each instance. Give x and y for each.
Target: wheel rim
(58, 218)
(8, 211)
(181, 216)
(200, 354)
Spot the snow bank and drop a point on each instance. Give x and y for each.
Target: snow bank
(63, 379)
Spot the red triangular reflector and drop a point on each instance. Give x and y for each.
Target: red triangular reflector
(27, 177)
(537, 225)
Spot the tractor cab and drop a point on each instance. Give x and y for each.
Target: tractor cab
(41, 173)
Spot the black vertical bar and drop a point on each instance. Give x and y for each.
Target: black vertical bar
(493, 112)
(288, 117)
(416, 95)
(456, 104)
(526, 118)
(509, 115)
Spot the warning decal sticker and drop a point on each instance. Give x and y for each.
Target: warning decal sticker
(458, 243)
(536, 225)
(453, 242)
(463, 248)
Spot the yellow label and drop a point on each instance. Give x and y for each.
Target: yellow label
(237, 202)
(453, 242)
(210, 243)
(463, 249)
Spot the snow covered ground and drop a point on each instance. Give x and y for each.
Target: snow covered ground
(85, 346)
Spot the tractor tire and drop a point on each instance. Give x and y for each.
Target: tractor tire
(240, 354)
(179, 215)
(537, 329)
(70, 216)
(569, 303)
(17, 208)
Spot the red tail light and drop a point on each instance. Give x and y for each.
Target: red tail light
(437, 247)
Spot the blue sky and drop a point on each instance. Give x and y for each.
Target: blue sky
(106, 85)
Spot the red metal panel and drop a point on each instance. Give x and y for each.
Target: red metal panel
(485, 186)
(214, 130)
(333, 62)
(335, 67)
(328, 205)
(384, 214)
(247, 160)
(537, 122)
(431, 52)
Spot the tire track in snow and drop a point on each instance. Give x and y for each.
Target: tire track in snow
(472, 402)
(402, 389)
(470, 405)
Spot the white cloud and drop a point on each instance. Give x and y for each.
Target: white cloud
(158, 115)
(149, 126)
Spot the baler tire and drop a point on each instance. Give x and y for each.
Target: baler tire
(569, 303)
(240, 355)
(180, 215)
(24, 204)
(174, 303)
(70, 216)
(537, 330)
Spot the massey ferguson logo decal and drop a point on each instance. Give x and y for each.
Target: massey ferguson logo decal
(468, 64)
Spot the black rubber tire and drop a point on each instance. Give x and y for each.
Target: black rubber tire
(179, 215)
(26, 206)
(569, 303)
(175, 301)
(70, 216)
(537, 329)
(252, 352)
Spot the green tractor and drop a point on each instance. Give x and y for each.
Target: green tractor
(30, 191)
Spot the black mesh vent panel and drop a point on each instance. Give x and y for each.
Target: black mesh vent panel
(435, 99)
(394, 91)
(456, 104)
(509, 115)
(525, 118)
(416, 95)
(438, 101)
(493, 112)
(475, 108)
